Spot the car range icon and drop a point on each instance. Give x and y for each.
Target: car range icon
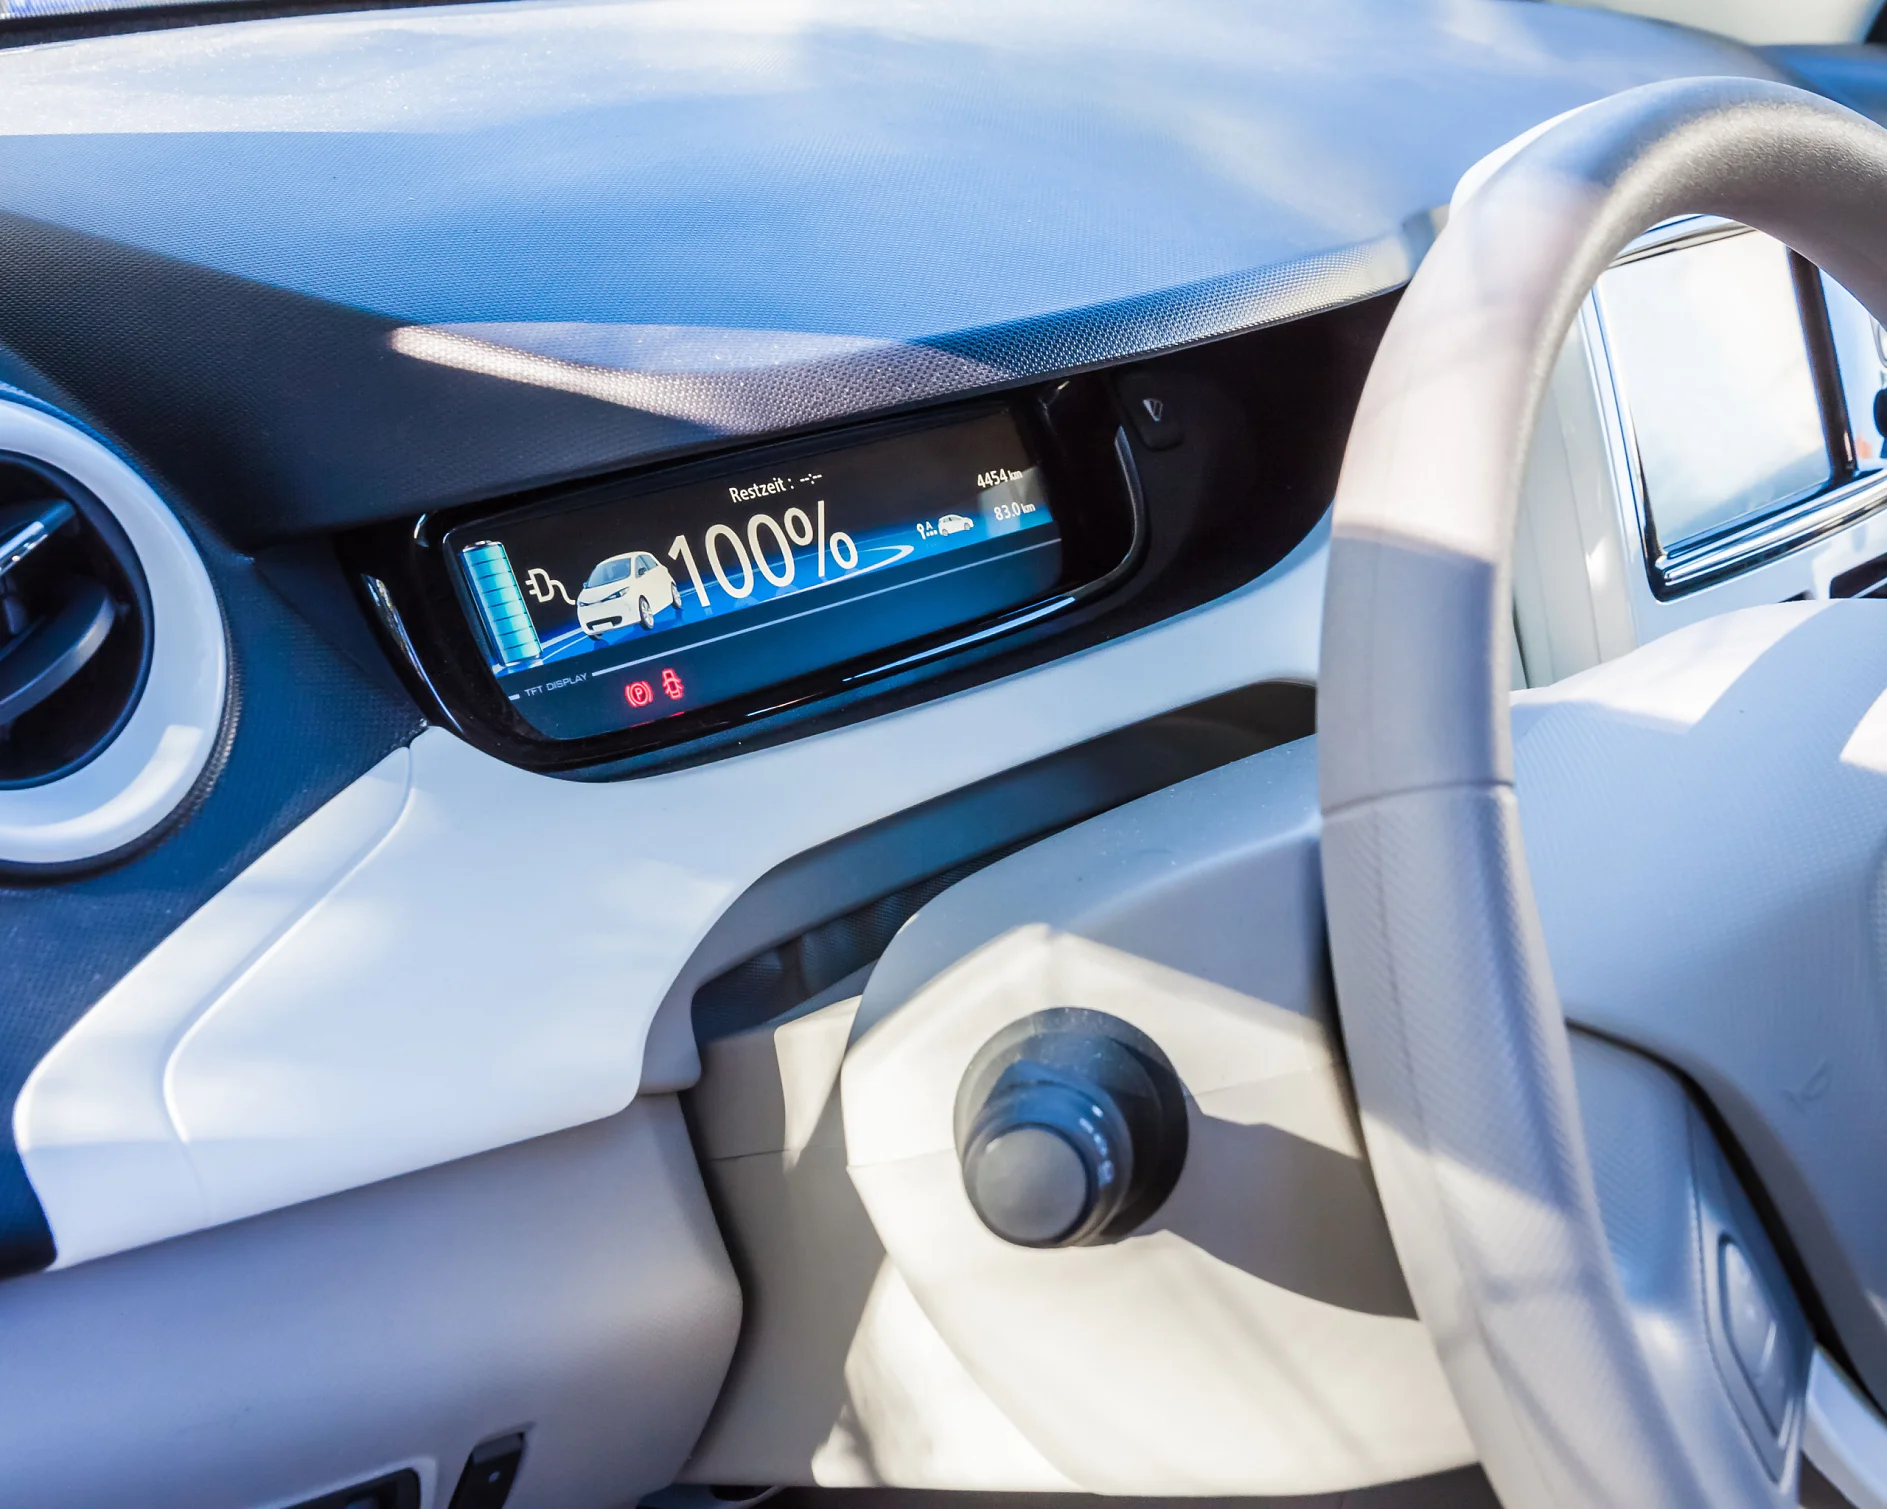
(633, 585)
(954, 523)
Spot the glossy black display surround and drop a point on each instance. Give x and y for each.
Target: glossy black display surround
(627, 607)
(1262, 419)
(1072, 428)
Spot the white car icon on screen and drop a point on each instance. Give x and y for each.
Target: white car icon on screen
(633, 585)
(954, 523)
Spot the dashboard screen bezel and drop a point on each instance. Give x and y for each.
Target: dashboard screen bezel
(780, 606)
(410, 584)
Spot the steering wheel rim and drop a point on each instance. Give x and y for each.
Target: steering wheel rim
(1457, 1044)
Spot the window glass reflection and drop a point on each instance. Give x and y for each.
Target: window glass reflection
(1708, 347)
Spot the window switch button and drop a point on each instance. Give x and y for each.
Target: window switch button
(1149, 410)
(489, 1473)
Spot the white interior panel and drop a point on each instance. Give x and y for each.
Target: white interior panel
(96, 1111)
(840, 1378)
(573, 1288)
(418, 1010)
(1164, 1363)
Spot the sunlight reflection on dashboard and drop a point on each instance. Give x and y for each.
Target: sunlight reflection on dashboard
(739, 381)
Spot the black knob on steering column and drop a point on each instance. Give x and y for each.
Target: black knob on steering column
(1071, 1128)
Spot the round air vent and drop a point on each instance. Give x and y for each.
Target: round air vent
(75, 625)
(113, 667)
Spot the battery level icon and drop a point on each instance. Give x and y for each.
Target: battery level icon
(500, 603)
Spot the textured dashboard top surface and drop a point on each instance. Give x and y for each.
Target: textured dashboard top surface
(326, 269)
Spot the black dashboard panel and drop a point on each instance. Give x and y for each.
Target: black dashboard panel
(676, 613)
(638, 613)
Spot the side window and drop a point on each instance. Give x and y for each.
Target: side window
(644, 563)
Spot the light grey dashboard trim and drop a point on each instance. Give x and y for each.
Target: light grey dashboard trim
(574, 1287)
(1259, 1339)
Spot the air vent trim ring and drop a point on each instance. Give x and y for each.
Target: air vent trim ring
(127, 790)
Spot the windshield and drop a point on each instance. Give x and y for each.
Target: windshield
(53, 19)
(20, 9)
(615, 570)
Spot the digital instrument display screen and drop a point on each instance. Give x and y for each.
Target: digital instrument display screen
(613, 613)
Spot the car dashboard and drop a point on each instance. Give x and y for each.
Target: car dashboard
(553, 530)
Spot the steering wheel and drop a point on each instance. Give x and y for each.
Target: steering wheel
(1707, 821)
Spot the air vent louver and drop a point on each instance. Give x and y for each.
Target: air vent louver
(74, 625)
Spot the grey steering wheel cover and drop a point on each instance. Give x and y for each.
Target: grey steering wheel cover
(1452, 1025)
